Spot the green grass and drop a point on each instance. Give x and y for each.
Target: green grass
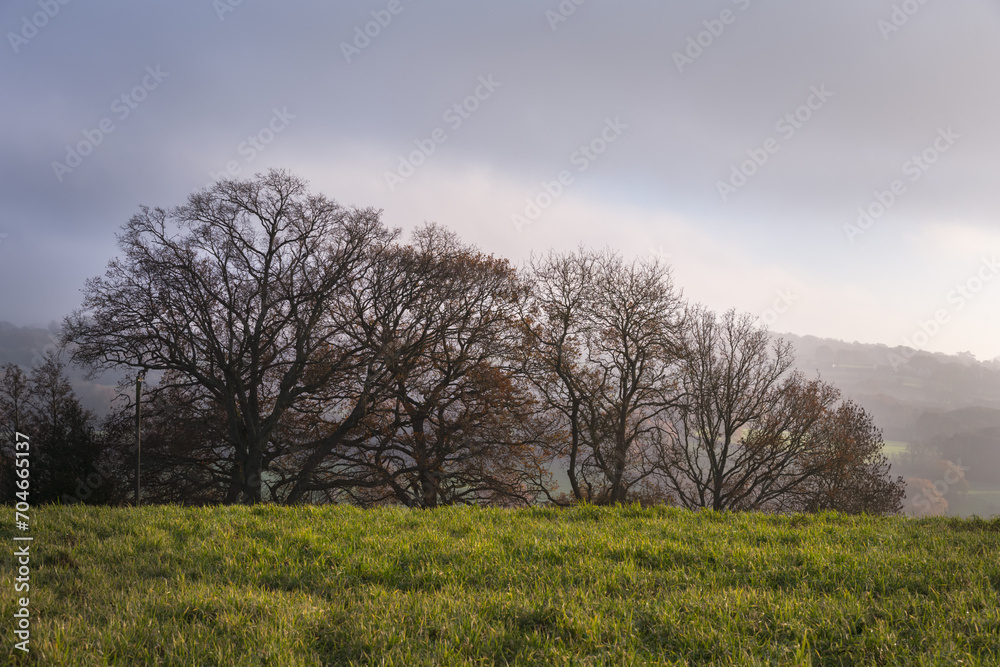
(588, 586)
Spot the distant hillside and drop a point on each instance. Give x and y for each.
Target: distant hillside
(922, 378)
(898, 385)
(25, 346)
(940, 415)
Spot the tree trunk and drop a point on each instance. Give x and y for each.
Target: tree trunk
(252, 474)
(574, 448)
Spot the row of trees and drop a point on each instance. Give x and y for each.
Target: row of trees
(306, 353)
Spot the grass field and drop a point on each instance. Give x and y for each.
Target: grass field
(588, 586)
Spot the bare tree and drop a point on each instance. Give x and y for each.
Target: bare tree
(391, 314)
(448, 420)
(307, 355)
(14, 411)
(605, 347)
(555, 322)
(731, 378)
(751, 436)
(186, 455)
(234, 292)
(854, 477)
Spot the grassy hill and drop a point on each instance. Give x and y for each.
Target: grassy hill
(588, 586)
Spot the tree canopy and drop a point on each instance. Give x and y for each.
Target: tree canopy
(308, 353)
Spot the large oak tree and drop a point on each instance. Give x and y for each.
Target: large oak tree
(235, 292)
(449, 418)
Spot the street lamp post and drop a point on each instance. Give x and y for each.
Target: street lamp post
(138, 438)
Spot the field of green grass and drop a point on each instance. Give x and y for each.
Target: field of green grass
(587, 586)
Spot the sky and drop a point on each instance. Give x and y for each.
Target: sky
(831, 168)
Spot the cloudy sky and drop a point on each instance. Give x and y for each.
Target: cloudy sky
(830, 167)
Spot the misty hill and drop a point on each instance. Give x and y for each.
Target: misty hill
(898, 384)
(940, 415)
(25, 346)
